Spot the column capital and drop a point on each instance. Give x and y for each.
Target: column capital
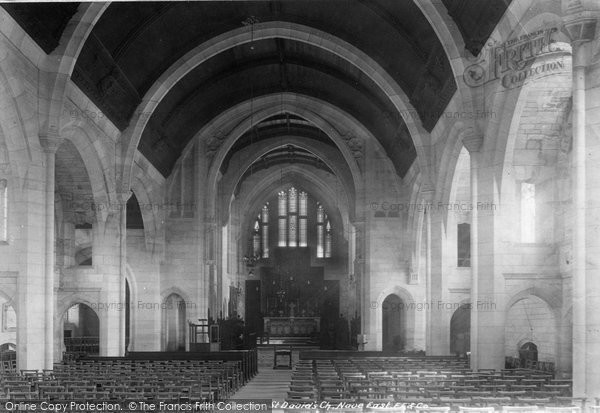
(472, 140)
(427, 193)
(124, 196)
(50, 141)
(358, 222)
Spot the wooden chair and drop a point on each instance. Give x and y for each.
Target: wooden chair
(520, 409)
(476, 409)
(433, 409)
(535, 402)
(304, 396)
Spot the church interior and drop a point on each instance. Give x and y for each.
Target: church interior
(372, 204)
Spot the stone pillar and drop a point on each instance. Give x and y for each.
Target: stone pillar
(487, 328)
(123, 198)
(581, 27)
(579, 199)
(487, 283)
(438, 325)
(427, 195)
(474, 144)
(30, 302)
(213, 274)
(201, 165)
(50, 143)
(363, 285)
(110, 257)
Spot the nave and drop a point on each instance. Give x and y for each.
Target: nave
(188, 186)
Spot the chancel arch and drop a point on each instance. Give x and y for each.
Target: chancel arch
(295, 279)
(258, 157)
(336, 124)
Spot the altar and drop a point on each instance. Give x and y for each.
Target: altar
(292, 326)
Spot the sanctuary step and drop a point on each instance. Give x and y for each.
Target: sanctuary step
(294, 341)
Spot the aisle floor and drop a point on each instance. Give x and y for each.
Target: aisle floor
(267, 384)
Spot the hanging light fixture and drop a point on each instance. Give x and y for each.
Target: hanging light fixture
(251, 21)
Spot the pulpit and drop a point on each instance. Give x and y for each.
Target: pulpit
(204, 337)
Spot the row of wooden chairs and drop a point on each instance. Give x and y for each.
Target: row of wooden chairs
(196, 380)
(437, 383)
(515, 362)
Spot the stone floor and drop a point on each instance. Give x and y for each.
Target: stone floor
(269, 384)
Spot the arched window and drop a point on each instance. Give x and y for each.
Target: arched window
(256, 239)
(463, 246)
(282, 212)
(293, 217)
(303, 219)
(265, 230)
(293, 223)
(328, 240)
(3, 210)
(320, 231)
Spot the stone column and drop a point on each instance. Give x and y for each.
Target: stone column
(487, 283)
(123, 198)
(586, 288)
(473, 144)
(427, 195)
(30, 302)
(50, 143)
(363, 307)
(201, 165)
(110, 257)
(212, 274)
(353, 307)
(438, 325)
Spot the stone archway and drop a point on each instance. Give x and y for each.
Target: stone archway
(174, 324)
(81, 330)
(460, 330)
(393, 324)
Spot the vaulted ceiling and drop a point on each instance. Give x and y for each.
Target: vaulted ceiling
(134, 43)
